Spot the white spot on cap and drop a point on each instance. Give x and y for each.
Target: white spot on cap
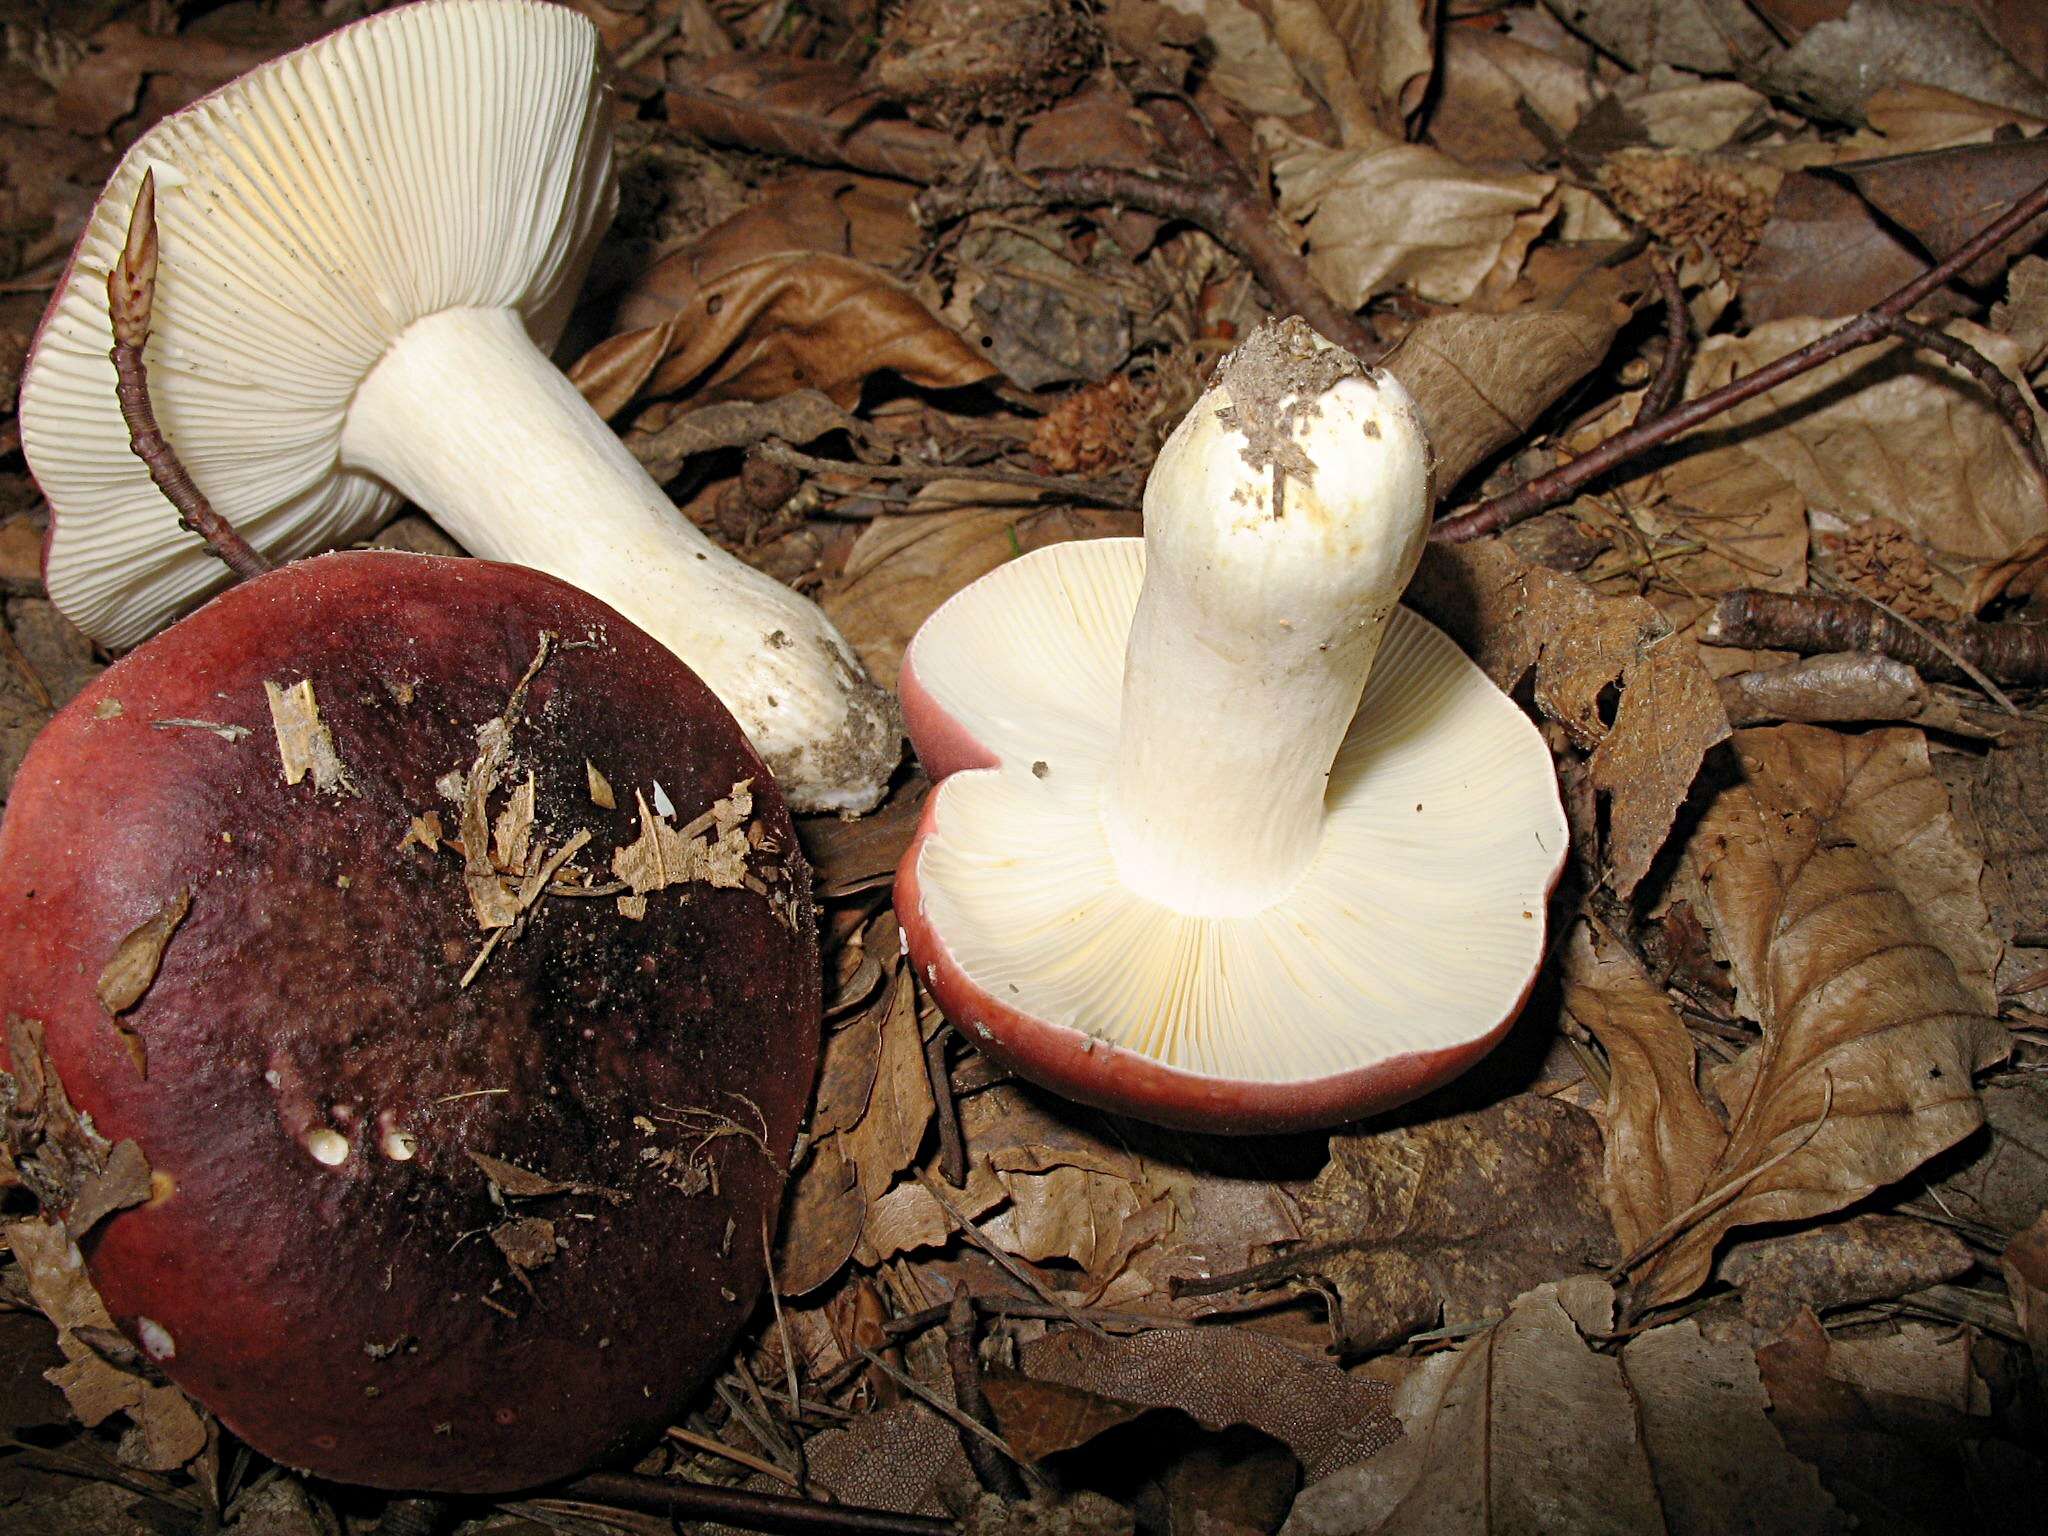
(329, 1147)
(157, 1342)
(400, 1146)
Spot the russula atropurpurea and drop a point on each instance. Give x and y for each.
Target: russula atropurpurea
(1224, 837)
(370, 245)
(448, 953)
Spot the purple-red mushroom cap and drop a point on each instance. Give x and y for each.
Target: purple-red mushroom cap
(1224, 837)
(482, 1018)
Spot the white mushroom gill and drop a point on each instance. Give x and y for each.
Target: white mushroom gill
(368, 247)
(1250, 818)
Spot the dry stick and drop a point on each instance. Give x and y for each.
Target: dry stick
(994, 1470)
(1814, 624)
(1874, 324)
(131, 295)
(952, 1146)
(1677, 344)
(1008, 1265)
(1974, 673)
(736, 1506)
(731, 1453)
(1287, 1266)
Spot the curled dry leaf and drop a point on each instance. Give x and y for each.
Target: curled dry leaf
(1526, 1428)
(1848, 912)
(1369, 60)
(782, 296)
(1514, 617)
(1381, 214)
(1225, 1376)
(1455, 1216)
(1481, 380)
(821, 1221)
(102, 1374)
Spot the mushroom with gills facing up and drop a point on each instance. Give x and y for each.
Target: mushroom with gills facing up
(1225, 838)
(372, 242)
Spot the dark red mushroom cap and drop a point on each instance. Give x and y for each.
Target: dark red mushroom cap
(409, 1232)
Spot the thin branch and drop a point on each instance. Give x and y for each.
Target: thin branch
(2005, 394)
(952, 1145)
(1874, 324)
(1664, 388)
(1814, 624)
(131, 296)
(996, 1472)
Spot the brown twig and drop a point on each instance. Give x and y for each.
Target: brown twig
(1677, 344)
(131, 295)
(996, 1473)
(1288, 1266)
(952, 1146)
(1874, 324)
(1814, 624)
(883, 148)
(2005, 394)
(736, 1506)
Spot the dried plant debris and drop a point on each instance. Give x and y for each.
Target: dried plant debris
(304, 744)
(1276, 381)
(711, 847)
(1449, 1220)
(128, 975)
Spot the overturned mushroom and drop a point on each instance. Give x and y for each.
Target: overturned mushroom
(449, 1147)
(371, 242)
(1186, 862)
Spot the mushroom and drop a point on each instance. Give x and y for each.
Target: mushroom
(1225, 838)
(434, 1204)
(371, 244)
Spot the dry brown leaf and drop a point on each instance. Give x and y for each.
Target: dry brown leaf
(1834, 68)
(1225, 1376)
(512, 832)
(1455, 1216)
(1714, 37)
(821, 1221)
(902, 568)
(1369, 60)
(1659, 1133)
(48, 1147)
(885, 1139)
(1381, 214)
(909, 1217)
(1482, 380)
(1843, 902)
(1248, 67)
(2001, 1186)
(1077, 1214)
(850, 856)
(1514, 617)
(1525, 1428)
(2025, 1267)
(1844, 1263)
(783, 296)
(124, 1182)
(1489, 81)
(304, 743)
(1038, 1419)
(1822, 253)
(1887, 432)
(128, 974)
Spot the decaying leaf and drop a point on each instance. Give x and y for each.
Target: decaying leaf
(1369, 60)
(304, 744)
(128, 974)
(1526, 1428)
(103, 1374)
(1646, 749)
(885, 1139)
(123, 1182)
(1455, 1216)
(1844, 905)
(1249, 67)
(49, 1148)
(600, 788)
(512, 832)
(1866, 1258)
(527, 1242)
(2000, 1186)
(1226, 1376)
(1382, 214)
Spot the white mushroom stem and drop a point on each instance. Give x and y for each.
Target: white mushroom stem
(1257, 625)
(466, 417)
